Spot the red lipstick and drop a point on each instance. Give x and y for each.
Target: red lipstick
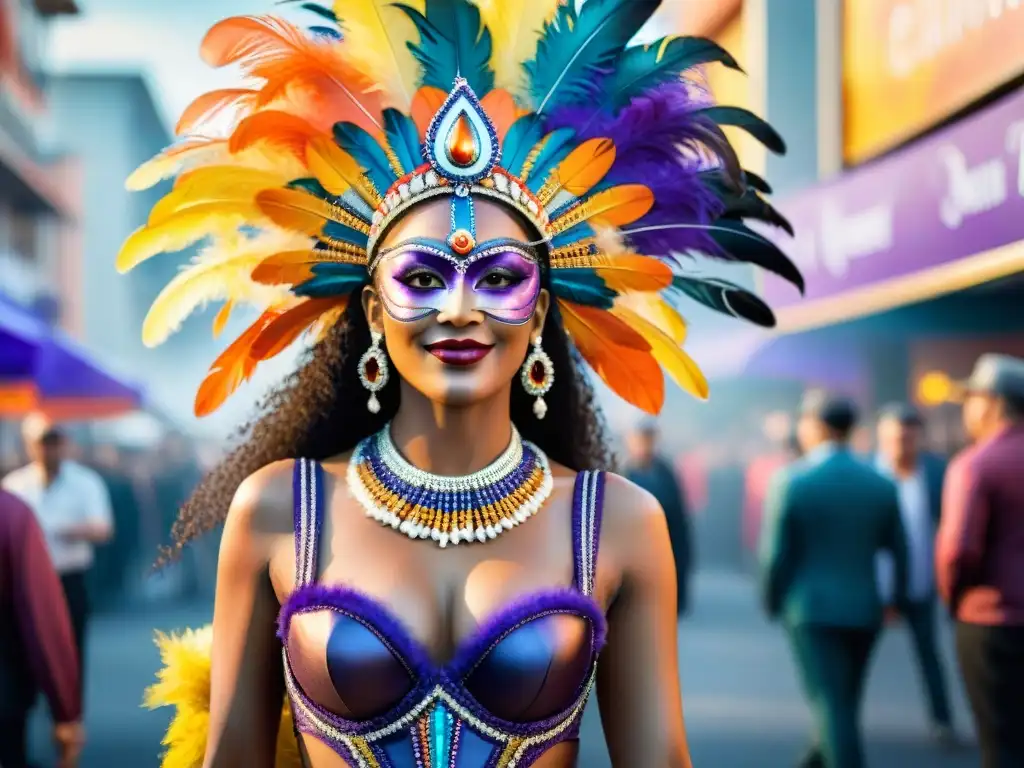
(459, 351)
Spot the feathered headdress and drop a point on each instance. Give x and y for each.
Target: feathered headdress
(615, 154)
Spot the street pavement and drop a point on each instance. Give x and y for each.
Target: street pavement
(742, 704)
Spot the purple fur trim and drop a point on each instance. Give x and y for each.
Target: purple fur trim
(364, 608)
(648, 135)
(524, 609)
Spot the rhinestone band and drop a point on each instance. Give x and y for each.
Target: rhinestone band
(449, 510)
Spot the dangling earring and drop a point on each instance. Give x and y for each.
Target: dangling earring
(373, 371)
(538, 374)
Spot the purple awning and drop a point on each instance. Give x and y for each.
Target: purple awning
(55, 369)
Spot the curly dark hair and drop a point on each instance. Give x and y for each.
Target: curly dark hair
(318, 412)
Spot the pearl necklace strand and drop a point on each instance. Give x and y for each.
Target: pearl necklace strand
(449, 509)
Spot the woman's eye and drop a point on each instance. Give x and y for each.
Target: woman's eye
(499, 280)
(423, 281)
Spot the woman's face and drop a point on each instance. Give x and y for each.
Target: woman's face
(457, 327)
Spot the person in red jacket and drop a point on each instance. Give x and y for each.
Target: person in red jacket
(37, 649)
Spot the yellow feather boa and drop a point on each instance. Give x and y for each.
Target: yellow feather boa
(184, 683)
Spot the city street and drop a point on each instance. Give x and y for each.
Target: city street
(742, 705)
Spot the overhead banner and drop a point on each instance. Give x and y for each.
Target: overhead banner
(953, 195)
(909, 64)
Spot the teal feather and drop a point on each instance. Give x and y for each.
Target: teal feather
(346, 234)
(332, 279)
(404, 139)
(749, 122)
(522, 137)
(576, 50)
(557, 147)
(572, 235)
(312, 186)
(582, 286)
(316, 8)
(640, 69)
(366, 151)
(453, 43)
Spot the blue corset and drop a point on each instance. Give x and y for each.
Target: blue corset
(362, 684)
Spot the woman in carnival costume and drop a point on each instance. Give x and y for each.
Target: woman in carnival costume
(460, 204)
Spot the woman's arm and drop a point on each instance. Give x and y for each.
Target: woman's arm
(247, 684)
(638, 675)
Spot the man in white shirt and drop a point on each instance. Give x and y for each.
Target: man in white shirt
(72, 505)
(918, 476)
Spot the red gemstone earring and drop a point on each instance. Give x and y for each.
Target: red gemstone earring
(373, 370)
(538, 374)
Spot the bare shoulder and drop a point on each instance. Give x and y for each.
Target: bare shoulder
(262, 505)
(633, 527)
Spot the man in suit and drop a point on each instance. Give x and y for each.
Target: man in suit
(918, 476)
(826, 518)
(980, 556)
(656, 476)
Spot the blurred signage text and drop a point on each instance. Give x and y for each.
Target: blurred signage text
(935, 57)
(953, 195)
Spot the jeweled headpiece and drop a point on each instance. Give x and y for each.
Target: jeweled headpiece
(613, 153)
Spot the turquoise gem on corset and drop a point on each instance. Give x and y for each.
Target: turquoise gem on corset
(440, 736)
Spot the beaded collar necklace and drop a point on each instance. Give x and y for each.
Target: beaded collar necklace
(449, 510)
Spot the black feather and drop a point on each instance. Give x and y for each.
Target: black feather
(740, 243)
(727, 298)
(749, 122)
(750, 205)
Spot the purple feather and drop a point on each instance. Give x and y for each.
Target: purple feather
(648, 135)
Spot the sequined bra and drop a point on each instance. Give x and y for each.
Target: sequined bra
(362, 684)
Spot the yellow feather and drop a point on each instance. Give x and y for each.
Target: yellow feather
(676, 363)
(376, 34)
(183, 229)
(215, 184)
(177, 158)
(338, 171)
(200, 153)
(516, 26)
(184, 684)
(222, 271)
(655, 310)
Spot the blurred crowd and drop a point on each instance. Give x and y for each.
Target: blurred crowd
(852, 524)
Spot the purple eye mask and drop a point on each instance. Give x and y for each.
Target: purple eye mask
(500, 279)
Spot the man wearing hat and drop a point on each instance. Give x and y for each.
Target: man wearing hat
(656, 476)
(826, 519)
(72, 505)
(980, 555)
(918, 476)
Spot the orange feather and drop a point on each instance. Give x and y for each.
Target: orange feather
(614, 207)
(338, 171)
(281, 332)
(232, 368)
(500, 107)
(294, 267)
(295, 209)
(223, 315)
(278, 129)
(673, 359)
(211, 105)
(581, 170)
(425, 104)
(628, 369)
(295, 67)
(630, 272)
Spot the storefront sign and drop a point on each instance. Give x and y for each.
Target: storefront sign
(909, 64)
(955, 194)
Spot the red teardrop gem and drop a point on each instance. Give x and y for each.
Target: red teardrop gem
(372, 370)
(537, 373)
